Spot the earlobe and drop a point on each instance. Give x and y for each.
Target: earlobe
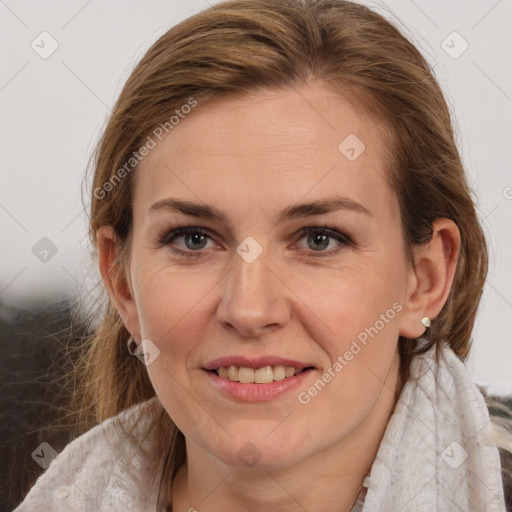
(114, 278)
(431, 278)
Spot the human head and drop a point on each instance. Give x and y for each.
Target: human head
(237, 48)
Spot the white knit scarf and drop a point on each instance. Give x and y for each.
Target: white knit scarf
(436, 455)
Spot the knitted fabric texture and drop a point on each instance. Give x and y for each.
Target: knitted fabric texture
(435, 455)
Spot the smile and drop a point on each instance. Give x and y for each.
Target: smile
(249, 390)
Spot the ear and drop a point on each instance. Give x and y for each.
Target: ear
(116, 281)
(430, 281)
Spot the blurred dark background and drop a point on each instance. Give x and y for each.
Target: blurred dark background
(33, 394)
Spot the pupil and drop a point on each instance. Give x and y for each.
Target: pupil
(321, 240)
(196, 239)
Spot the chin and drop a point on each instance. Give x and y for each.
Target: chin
(261, 452)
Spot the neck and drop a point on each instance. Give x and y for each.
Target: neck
(243, 492)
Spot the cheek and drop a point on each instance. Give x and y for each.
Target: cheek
(357, 305)
(362, 311)
(172, 313)
(361, 348)
(171, 306)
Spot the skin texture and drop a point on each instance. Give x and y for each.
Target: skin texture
(250, 158)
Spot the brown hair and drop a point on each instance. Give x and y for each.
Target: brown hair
(240, 46)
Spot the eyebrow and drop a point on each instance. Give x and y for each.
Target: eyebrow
(319, 207)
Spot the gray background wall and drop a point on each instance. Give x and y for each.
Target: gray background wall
(53, 110)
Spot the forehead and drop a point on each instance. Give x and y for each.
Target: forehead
(270, 147)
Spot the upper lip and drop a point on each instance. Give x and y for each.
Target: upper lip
(258, 362)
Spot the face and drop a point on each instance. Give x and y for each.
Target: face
(260, 276)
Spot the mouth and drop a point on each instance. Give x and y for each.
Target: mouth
(257, 379)
(263, 375)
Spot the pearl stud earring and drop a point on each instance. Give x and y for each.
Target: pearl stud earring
(426, 321)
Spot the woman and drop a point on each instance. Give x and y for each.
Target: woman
(294, 262)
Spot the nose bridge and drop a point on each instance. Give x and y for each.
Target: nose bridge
(253, 298)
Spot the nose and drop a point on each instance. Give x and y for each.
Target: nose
(254, 300)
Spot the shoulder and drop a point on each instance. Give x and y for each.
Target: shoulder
(103, 469)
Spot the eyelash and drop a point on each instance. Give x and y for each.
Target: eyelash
(165, 238)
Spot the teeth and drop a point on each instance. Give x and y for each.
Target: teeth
(263, 375)
(258, 376)
(245, 375)
(232, 372)
(279, 372)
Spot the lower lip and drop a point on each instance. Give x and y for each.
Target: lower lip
(257, 392)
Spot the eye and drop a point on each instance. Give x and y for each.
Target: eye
(320, 238)
(194, 240)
